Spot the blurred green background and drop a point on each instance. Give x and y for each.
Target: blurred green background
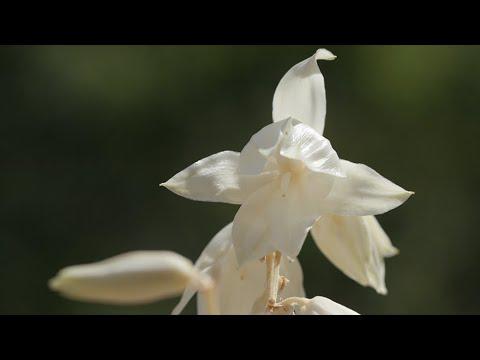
(88, 133)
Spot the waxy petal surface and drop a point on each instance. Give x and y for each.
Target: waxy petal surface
(214, 178)
(132, 278)
(363, 192)
(301, 93)
(357, 246)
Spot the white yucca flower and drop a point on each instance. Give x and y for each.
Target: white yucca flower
(357, 245)
(288, 176)
(288, 180)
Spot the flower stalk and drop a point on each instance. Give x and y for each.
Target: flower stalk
(273, 278)
(211, 300)
(292, 301)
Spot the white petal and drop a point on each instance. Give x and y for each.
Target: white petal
(251, 228)
(279, 215)
(363, 192)
(213, 254)
(381, 239)
(301, 93)
(320, 305)
(271, 220)
(357, 246)
(132, 278)
(254, 155)
(214, 178)
(305, 144)
(288, 140)
(292, 270)
(237, 289)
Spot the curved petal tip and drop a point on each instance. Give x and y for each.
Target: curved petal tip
(324, 54)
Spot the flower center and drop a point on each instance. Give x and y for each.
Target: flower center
(289, 171)
(293, 166)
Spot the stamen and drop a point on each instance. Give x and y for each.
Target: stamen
(283, 282)
(294, 301)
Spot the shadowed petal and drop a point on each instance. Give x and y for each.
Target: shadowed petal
(279, 216)
(357, 246)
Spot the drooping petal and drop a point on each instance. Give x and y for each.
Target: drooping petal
(301, 93)
(382, 241)
(292, 213)
(133, 278)
(320, 305)
(272, 220)
(237, 288)
(263, 224)
(212, 255)
(251, 229)
(214, 178)
(363, 192)
(357, 246)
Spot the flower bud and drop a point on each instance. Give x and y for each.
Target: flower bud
(132, 278)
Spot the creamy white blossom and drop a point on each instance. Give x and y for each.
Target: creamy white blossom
(356, 245)
(286, 177)
(288, 180)
(237, 288)
(133, 278)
